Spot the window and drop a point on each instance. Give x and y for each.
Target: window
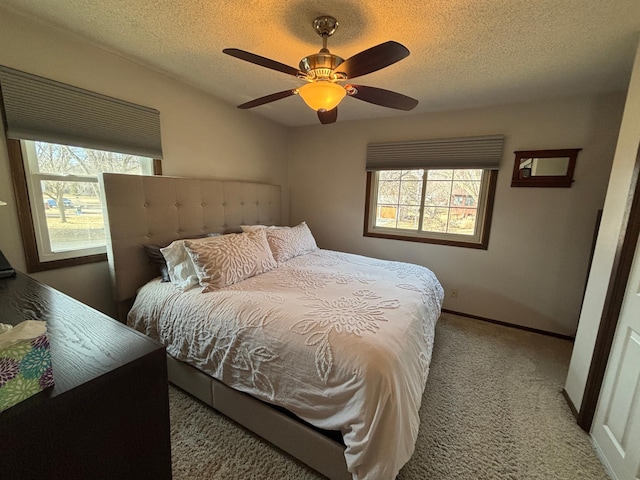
(435, 206)
(433, 191)
(59, 138)
(63, 191)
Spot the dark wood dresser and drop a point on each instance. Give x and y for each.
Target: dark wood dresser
(107, 417)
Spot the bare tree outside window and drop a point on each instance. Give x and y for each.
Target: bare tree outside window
(421, 202)
(399, 197)
(65, 180)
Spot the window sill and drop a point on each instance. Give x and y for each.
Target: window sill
(437, 241)
(35, 265)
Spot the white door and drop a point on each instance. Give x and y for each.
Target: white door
(616, 426)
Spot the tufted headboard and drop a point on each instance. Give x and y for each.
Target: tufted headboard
(157, 210)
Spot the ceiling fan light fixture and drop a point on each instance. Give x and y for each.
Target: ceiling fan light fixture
(322, 96)
(323, 71)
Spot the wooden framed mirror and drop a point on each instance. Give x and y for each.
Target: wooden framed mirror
(544, 168)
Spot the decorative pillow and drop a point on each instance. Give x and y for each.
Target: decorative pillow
(287, 243)
(182, 272)
(157, 260)
(229, 259)
(252, 228)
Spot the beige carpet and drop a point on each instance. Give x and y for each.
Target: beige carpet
(492, 409)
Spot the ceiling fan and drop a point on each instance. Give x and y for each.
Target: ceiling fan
(323, 72)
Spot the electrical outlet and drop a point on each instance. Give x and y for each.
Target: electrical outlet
(454, 293)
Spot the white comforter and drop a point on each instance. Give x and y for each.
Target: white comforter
(343, 341)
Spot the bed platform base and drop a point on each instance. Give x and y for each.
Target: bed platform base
(301, 441)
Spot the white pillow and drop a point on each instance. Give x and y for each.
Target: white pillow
(229, 259)
(182, 272)
(287, 243)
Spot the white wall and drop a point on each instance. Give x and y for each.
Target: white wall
(201, 136)
(535, 269)
(612, 217)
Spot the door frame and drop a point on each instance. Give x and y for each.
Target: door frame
(625, 251)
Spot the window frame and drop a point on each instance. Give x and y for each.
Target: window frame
(26, 219)
(434, 238)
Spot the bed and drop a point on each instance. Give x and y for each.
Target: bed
(315, 342)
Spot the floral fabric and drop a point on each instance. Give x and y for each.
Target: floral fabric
(25, 369)
(342, 341)
(228, 259)
(287, 243)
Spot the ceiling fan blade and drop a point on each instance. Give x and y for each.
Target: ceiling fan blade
(373, 59)
(382, 97)
(329, 116)
(267, 99)
(262, 61)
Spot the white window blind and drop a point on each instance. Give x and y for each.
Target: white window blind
(483, 152)
(36, 108)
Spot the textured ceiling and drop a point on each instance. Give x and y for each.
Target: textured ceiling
(464, 53)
